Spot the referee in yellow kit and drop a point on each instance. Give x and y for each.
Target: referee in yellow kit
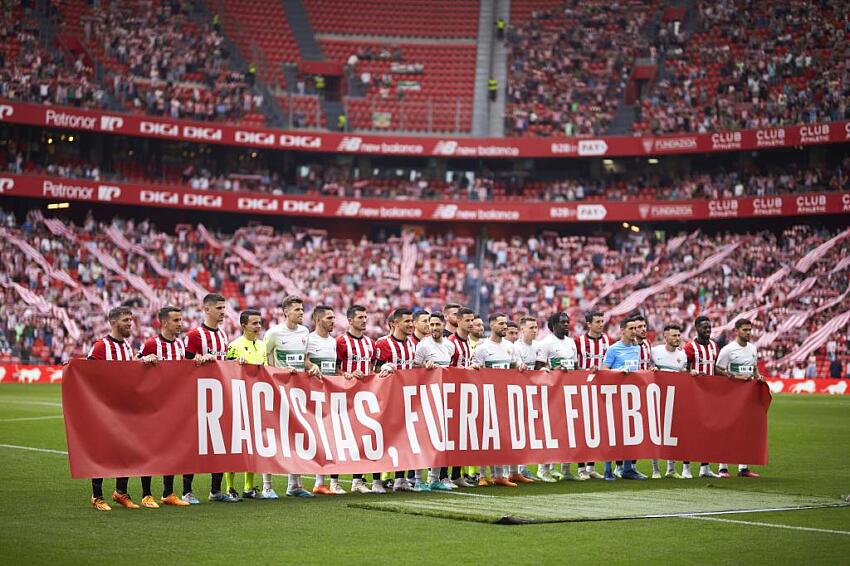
(247, 349)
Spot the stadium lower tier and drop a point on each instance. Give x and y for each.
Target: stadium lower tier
(60, 279)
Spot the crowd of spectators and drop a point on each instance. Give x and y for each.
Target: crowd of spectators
(163, 63)
(155, 58)
(30, 71)
(319, 267)
(754, 64)
(568, 67)
(257, 266)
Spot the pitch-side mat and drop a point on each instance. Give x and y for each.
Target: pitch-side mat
(607, 506)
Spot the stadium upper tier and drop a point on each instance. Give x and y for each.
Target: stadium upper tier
(574, 68)
(60, 279)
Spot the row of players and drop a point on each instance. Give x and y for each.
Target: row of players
(420, 339)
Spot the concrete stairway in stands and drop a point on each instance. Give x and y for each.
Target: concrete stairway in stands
(499, 70)
(483, 66)
(302, 30)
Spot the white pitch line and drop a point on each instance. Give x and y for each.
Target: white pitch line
(28, 402)
(773, 525)
(31, 449)
(19, 419)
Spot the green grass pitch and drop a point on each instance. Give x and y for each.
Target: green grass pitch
(46, 517)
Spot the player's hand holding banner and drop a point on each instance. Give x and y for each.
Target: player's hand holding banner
(128, 419)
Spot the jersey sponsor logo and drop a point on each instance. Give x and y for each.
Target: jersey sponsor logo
(592, 147)
(498, 365)
(6, 111)
(111, 123)
(741, 369)
(631, 365)
(562, 363)
(6, 185)
(108, 192)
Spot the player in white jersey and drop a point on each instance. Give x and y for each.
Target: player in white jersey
(669, 356)
(495, 352)
(526, 346)
(321, 352)
(434, 351)
(739, 360)
(558, 352)
(286, 347)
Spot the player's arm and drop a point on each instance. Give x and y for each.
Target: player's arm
(383, 366)
(690, 359)
(516, 361)
(271, 340)
(542, 361)
(147, 355)
(311, 367)
(721, 365)
(97, 352)
(421, 358)
(193, 349)
(756, 372)
(610, 359)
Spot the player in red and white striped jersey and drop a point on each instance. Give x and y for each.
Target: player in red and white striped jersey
(460, 338)
(591, 348)
(396, 350)
(355, 355)
(702, 355)
(114, 347)
(204, 344)
(166, 346)
(393, 352)
(645, 346)
(462, 358)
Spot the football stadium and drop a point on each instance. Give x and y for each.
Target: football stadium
(405, 281)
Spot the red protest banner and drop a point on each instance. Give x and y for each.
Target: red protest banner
(127, 419)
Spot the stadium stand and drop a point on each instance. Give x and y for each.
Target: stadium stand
(125, 260)
(569, 62)
(754, 64)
